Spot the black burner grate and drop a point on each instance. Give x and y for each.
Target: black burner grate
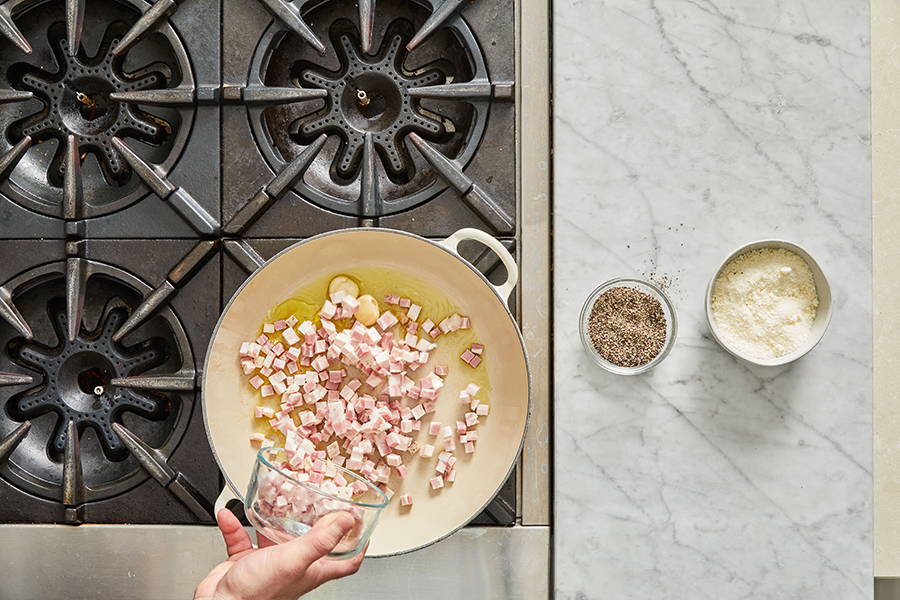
(76, 101)
(78, 379)
(369, 96)
(375, 98)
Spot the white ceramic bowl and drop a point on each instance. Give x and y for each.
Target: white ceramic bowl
(823, 314)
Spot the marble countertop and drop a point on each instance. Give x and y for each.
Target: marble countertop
(683, 128)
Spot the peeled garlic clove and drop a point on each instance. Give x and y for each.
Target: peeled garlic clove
(344, 284)
(367, 313)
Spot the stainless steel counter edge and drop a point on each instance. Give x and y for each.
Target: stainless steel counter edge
(160, 562)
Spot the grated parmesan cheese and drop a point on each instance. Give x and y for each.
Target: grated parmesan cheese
(764, 303)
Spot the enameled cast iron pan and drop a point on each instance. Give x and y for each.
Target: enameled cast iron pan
(228, 401)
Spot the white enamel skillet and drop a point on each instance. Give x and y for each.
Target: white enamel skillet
(228, 401)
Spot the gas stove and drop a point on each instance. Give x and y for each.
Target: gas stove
(155, 154)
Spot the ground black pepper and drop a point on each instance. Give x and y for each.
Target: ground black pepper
(627, 327)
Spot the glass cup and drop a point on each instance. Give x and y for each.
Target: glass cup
(281, 507)
(640, 285)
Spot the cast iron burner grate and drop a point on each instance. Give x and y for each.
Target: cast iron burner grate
(103, 410)
(78, 379)
(401, 111)
(76, 101)
(369, 97)
(98, 73)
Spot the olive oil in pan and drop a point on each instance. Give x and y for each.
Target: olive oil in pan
(306, 302)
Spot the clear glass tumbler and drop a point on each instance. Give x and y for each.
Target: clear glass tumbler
(281, 507)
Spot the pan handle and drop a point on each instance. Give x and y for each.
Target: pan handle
(504, 290)
(225, 497)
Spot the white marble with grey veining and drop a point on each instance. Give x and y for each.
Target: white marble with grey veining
(683, 128)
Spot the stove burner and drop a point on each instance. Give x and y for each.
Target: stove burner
(76, 101)
(89, 384)
(77, 378)
(371, 96)
(380, 90)
(80, 60)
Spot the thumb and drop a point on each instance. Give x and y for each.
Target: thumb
(319, 541)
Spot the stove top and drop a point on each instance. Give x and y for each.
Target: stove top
(154, 155)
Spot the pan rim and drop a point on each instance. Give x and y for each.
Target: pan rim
(347, 230)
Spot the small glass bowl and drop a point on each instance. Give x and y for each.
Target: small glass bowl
(307, 504)
(642, 286)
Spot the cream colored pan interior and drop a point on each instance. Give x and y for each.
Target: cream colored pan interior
(228, 401)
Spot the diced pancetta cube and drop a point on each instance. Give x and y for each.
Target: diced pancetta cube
(393, 459)
(446, 431)
(257, 381)
(469, 446)
(320, 363)
(472, 435)
(338, 296)
(391, 299)
(406, 426)
(477, 348)
(418, 412)
(460, 427)
(482, 410)
(405, 302)
(434, 428)
(467, 356)
(471, 419)
(441, 370)
(268, 328)
(386, 320)
(290, 336)
(349, 301)
(267, 390)
(436, 482)
(425, 345)
(426, 451)
(406, 500)
(414, 311)
(257, 438)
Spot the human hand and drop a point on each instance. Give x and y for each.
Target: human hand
(277, 571)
